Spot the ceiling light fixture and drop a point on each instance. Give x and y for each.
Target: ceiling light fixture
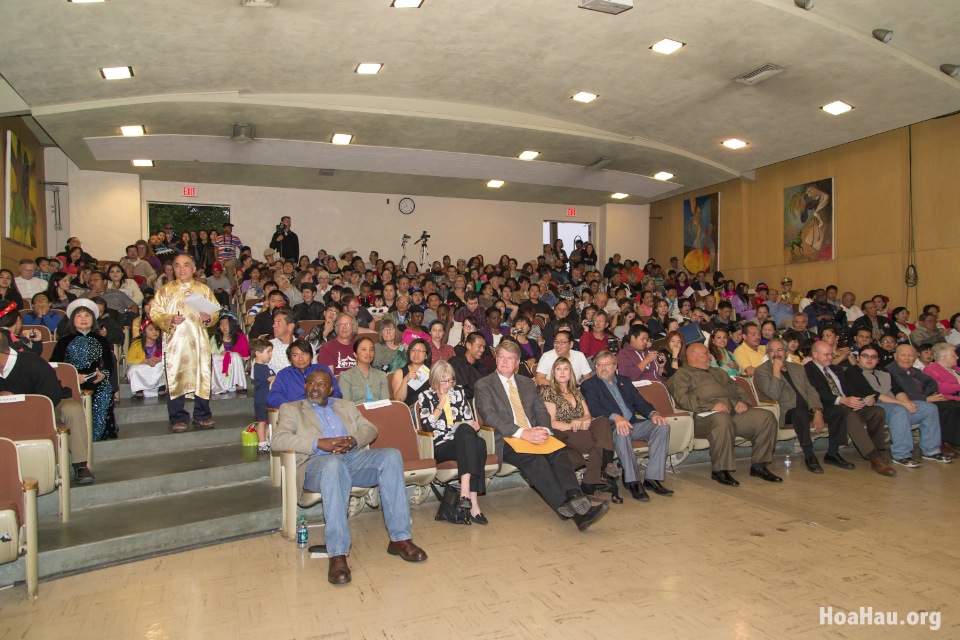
(952, 70)
(667, 46)
(806, 5)
(663, 175)
(131, 130)
(243, 132)
(837, 107)
(619, 196)
(116, 73)
(368, 68)
(142, 163)
(84, 1)
(883, 35)
(734, 143)
(406, 4)
(341, 138)
(584, 97)
(258, 3)
(495, 184)
(529, 155)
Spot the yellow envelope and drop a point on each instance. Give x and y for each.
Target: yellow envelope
(522, 446)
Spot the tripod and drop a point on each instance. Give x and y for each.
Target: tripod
(403, 246)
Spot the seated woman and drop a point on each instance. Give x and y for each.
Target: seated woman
(831, 337)
(9, 290)
(768, 331)
(529, 348)
(734, 336)
(573, 425)
(719, 356)
(91, 354)
(468, 326)
(658, 321)
(792, 341)
(364, 382)
(408, 381)
(288, 386)
(230, 351)
(439, 349)
(40, 314)
(741, 303)
(145, 363)
(58, 291)
(674, 351)
(118, 281)
(385, 351)
(446, 413)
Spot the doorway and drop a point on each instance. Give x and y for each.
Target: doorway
(569, 232)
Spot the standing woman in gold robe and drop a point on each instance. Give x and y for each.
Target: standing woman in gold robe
(186, 355)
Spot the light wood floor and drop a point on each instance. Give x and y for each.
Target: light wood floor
(753, 562)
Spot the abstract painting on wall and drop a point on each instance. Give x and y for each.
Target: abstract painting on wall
(701, 233)
(22, 193)
(808, 222)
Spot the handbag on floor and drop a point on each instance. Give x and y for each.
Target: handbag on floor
(450, 506)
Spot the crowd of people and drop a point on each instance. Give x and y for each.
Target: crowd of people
(548, 353)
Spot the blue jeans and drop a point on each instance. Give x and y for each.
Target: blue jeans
(334, 475)
(899, 421)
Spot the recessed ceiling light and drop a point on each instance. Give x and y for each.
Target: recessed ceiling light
(83, 1)
(116, 73)
(495, 184)
(369, 68)
(529, 155)
(667, 46)
(619, 196)
(734, 143)
(341, 138)
(406, 4)
(837, 107)
(133, 130)
(142, 163)
(663, 175)
(585, 97)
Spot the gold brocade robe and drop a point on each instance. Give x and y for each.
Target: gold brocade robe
(186, 347)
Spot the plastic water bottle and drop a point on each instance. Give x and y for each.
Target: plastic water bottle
(786, 461)
(302, 533)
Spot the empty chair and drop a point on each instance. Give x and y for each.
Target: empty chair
(396, 430)
(682, 440)
(42, 446)
(18, 515)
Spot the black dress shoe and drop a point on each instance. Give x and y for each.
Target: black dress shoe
(480, 519)
(657, 488)
(837, 461)
(594, 514)
(813, 465)
(83, 475)
(765, 474)
(576, 504)
(637, 492)
(724, 477)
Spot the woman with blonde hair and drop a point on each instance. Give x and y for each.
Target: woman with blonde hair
(446, 413)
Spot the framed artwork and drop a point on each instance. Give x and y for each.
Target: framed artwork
(808, 222)
(22, 193)
(701, 233)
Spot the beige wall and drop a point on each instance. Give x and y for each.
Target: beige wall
(871, 203)
(104, 210)
(11, 252)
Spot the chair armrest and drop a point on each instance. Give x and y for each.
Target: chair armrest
(425, 444)
(30, 484)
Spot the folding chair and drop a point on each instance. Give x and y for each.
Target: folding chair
(488, 434)
(47, 350)
(396, 430)
(773, 407)
(682, 441)
(45, 334)
(18, 515)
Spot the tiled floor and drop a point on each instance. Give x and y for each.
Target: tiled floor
(754, 562)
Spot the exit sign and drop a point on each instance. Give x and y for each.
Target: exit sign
(190, 192)
(571, 212)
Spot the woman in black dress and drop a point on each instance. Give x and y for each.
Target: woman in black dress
(408, 381)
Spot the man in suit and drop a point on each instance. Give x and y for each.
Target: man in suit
(328, 436)
(787, 383)
(511, 405)
(864, 423)
(723, 412)
(614, 396)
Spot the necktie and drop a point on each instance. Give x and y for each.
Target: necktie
(521, 416)
(834, 389)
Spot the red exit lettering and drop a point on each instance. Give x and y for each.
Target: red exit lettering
(190, 192)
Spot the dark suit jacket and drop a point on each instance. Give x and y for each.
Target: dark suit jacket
(772, 388)
(819, 382)
(916, 384)
(494, 408)
(601, 402)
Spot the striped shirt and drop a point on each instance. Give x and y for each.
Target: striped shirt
(228, 247)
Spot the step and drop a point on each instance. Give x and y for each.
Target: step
(123, 532)
(138, 477)
(142, 438)
(133, 410)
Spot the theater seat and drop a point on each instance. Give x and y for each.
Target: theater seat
(69, 378)
(447, 471)
(18, 515)
(773, 407)
(488, 434)
(682, 441)
(396, 430)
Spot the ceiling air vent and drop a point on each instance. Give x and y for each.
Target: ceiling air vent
(258, 3)
(327, 172)
(758, 75)
(600, 163)
(613, 7)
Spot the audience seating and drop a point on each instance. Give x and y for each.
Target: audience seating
(45, 334)
(70, 379)
(773, 407)
(42, 445)
(682, 440)
(396, 430)
(18, 515)
(447, 471)
(488, 433)
(307, 325)
(48, 350)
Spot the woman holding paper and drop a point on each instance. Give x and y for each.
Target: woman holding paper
(446, 413)
(408, 381)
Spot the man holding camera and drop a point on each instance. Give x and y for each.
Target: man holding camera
(638, 361)
(285, 242)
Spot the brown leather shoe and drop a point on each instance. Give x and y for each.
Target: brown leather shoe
(880, 465)
(339, 572)
(948, 449)
(407, 550)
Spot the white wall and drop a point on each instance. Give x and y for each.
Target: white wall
(627, 231)
(104, 211)
(57, 169)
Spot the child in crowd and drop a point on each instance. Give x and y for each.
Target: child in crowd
(379, 308)
(263, 377)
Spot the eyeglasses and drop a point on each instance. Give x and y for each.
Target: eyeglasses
(561, 342)
(447, 381)
(418, 350)
(867, 356)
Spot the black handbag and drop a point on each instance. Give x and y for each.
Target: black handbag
(449, 509)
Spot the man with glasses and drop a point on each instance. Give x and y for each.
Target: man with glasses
(562, 348)
(638, 361)
(338, 354)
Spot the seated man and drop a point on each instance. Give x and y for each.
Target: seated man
(723, 412)
(22, 373)
(468, 367)
(638, 361)
(562, 348)
(511, 405)
(27, 283)
(337, 354)
(608, 394)
(866, 380)
(878, 325)
(723, 318)
(284, 331)
(927, 331)
(220, 285)
(309, 309)
(317, 427)
(750, 354)
(786, 382)
(116, 300)
(288, 385)
(864, 423)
